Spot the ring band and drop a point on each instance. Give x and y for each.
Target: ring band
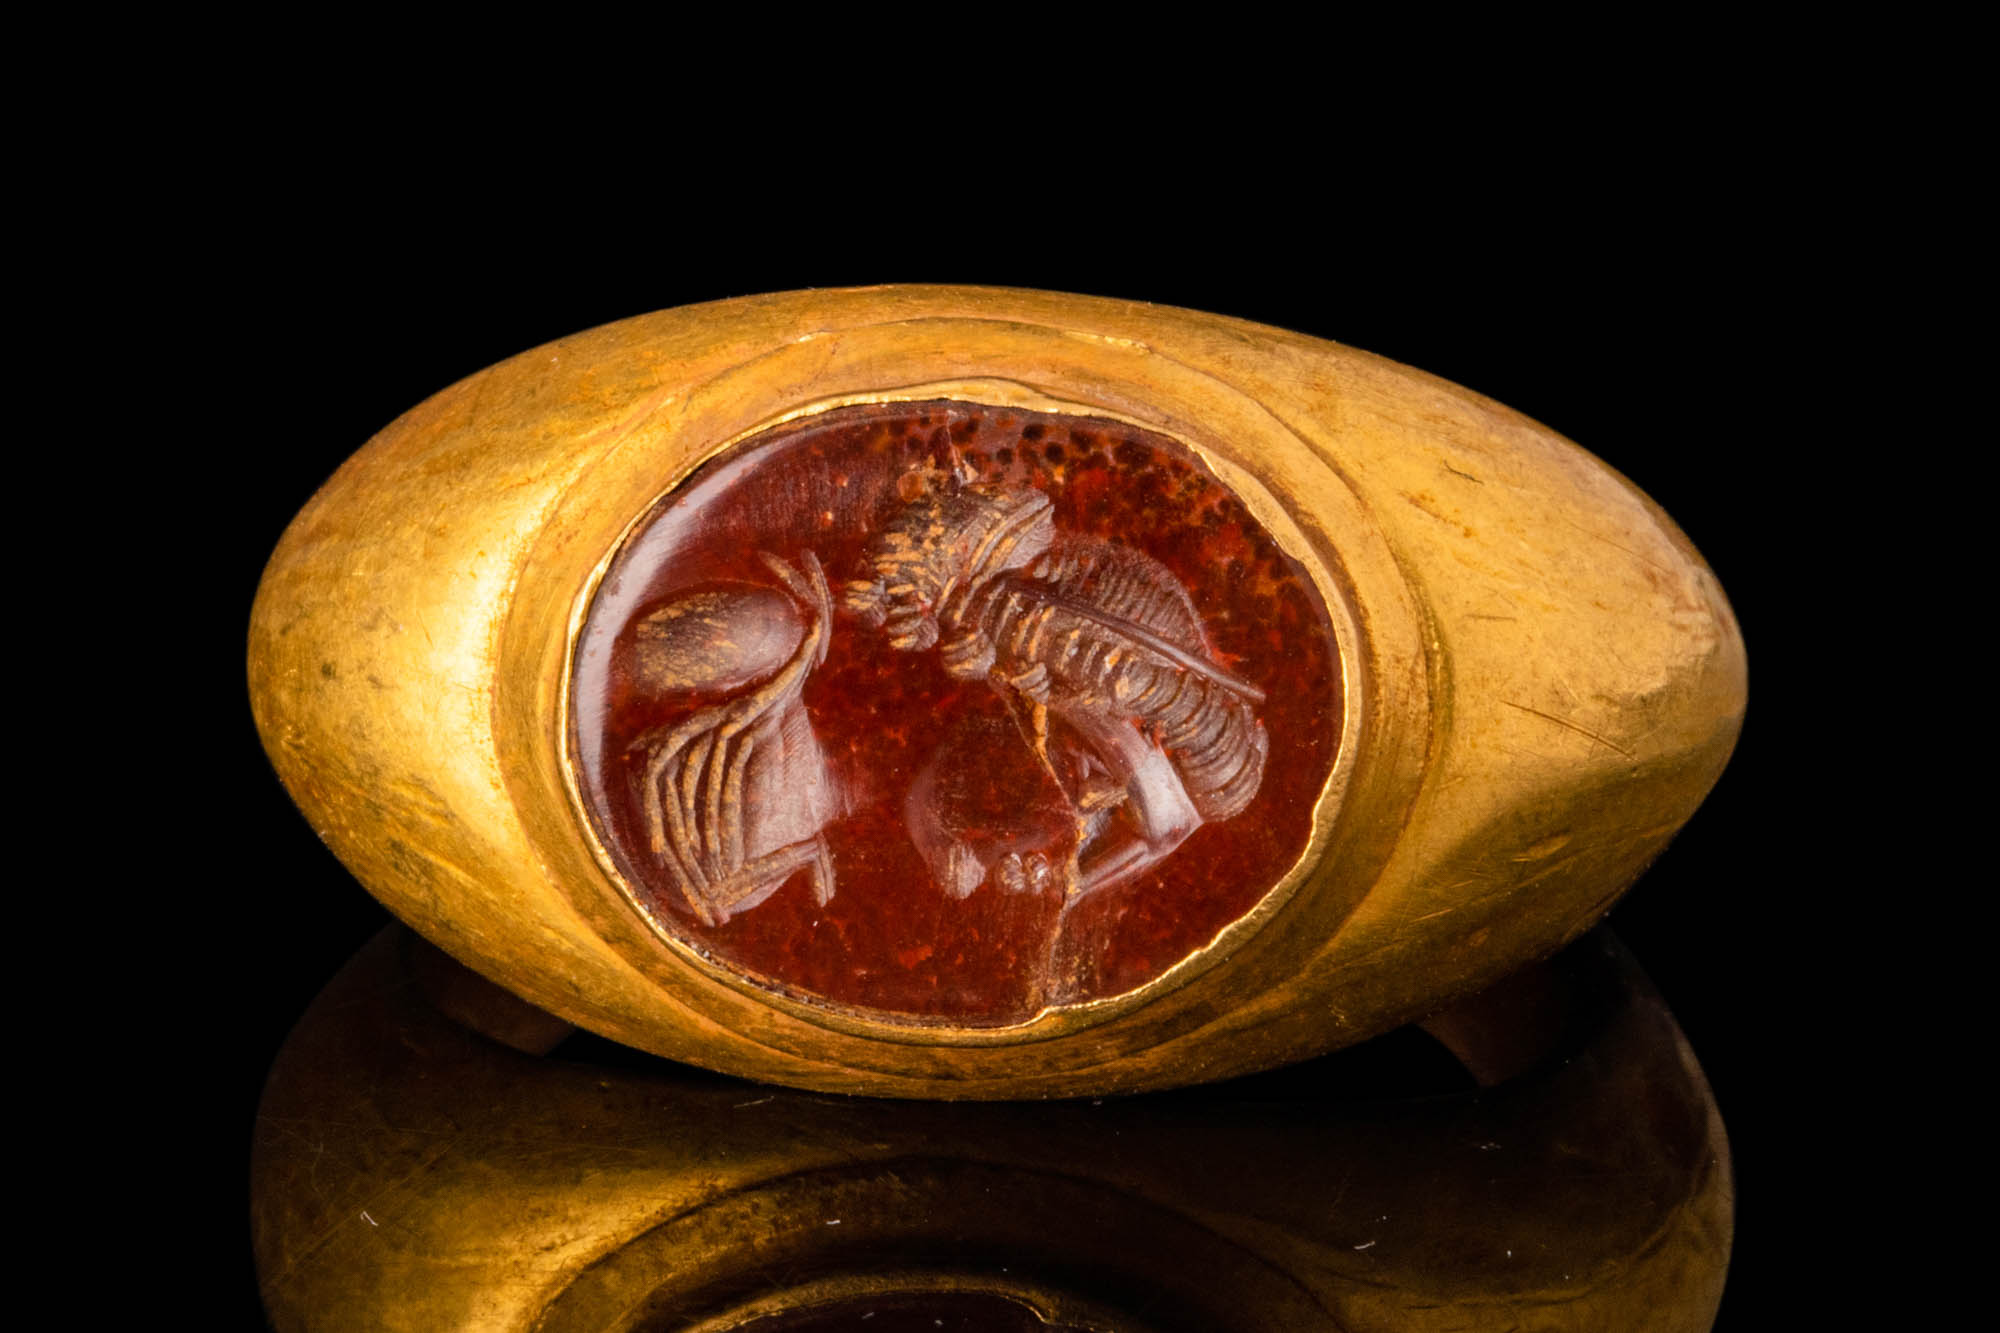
(971, 693)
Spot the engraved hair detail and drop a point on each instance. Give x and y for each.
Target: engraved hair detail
(937, 550)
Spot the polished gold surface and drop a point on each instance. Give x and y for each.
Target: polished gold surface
(1542, 677)
(411, 1174)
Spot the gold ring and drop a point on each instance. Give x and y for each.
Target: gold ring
(973, 693)
(411, 1173)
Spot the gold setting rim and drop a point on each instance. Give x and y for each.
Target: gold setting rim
(1054, 1020)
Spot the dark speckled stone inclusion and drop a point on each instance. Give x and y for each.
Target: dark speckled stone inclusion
(953, 712)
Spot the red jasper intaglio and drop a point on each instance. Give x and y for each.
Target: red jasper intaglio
(955, 712)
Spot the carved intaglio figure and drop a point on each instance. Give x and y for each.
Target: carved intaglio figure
(1151, 738)
(953, 711)
(735, 795)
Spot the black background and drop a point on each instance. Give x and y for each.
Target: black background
(1643, 312)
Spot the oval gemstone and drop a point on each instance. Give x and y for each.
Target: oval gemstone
(952, 712)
